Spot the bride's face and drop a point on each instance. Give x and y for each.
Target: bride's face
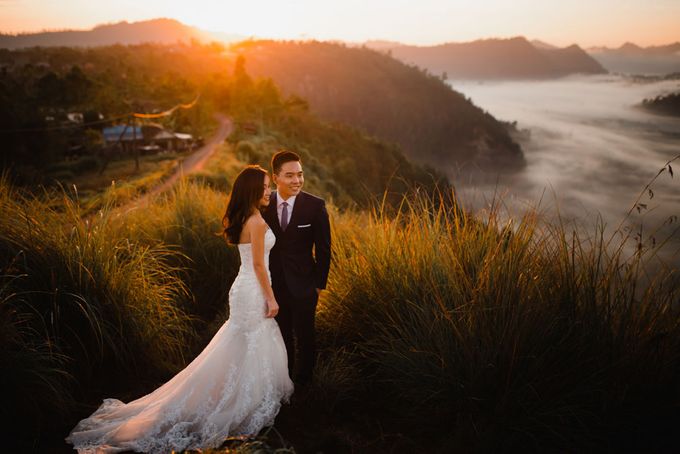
(264, 201)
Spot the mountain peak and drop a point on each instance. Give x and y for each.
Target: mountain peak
(512, 40)
(379, 44)
(628, 46)
(499, 58)
(158, 20)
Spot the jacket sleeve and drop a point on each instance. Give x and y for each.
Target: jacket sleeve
(322, 245)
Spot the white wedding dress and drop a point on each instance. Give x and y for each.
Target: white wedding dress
(234, 387)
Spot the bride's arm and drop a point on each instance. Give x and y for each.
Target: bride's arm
(258, 227)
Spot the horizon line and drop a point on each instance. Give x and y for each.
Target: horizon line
(306, 37)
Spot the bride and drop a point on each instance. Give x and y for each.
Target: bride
(236, 384)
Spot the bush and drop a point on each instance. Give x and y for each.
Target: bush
(216, 181)
(65, 176)
(86, 163)
(254, 153)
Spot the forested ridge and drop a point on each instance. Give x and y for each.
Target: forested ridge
(40, 87)
(387, 98)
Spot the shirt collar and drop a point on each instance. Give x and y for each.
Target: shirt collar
(290, 200)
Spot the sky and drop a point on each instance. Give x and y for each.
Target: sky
(560, 22)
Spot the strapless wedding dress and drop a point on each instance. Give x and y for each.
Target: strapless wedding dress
(234, 387)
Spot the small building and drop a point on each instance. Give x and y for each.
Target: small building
(124, 133)
(75, 117)
(149, 138)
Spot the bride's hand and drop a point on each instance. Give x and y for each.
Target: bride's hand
(272, 308)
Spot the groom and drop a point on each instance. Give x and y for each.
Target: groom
(300, 222)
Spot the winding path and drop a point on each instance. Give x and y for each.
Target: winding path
(192, 163)
(196, 161)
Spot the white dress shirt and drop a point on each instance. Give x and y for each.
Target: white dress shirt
(279, 206)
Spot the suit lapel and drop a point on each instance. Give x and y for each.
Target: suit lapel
(299, 203)
(272, 215)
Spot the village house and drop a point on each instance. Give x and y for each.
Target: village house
(149, 138)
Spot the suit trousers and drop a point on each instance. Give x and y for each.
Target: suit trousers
(296, 321)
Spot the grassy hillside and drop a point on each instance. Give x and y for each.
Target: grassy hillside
(438, 330)
(489, 335)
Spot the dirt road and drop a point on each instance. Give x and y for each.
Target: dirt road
(196, 161)
(192, 163)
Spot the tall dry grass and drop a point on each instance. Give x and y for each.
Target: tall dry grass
(188, 220)
(489, 335)
(467, 333)
(82, 305)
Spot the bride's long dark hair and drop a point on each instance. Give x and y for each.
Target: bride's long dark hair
(245, 196)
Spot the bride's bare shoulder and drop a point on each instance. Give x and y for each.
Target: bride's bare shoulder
(256, 222)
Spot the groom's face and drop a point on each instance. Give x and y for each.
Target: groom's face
(289, 180)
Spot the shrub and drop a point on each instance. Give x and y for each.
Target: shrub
(85, 163)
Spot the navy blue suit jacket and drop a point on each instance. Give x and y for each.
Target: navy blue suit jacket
(301, 257)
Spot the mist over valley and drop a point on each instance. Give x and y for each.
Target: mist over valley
(589, 147)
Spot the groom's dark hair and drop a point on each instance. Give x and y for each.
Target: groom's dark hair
(281, 157)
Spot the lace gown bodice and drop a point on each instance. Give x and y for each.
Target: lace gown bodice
(234, 386)
(246, 288)
(246, 254)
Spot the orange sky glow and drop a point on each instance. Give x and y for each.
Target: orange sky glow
(587, 23)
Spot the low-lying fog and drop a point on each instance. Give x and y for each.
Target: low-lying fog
(589, 150)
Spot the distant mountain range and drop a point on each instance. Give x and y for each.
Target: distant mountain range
(514, 58)
(163, 31)
(633, 59)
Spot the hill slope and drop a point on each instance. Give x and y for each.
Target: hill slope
(668, 104)
(362, 88)
(344, 163)
(387, 98)
(167, 31)
(571, 60)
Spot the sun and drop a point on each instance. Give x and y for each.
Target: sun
(255, 18)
